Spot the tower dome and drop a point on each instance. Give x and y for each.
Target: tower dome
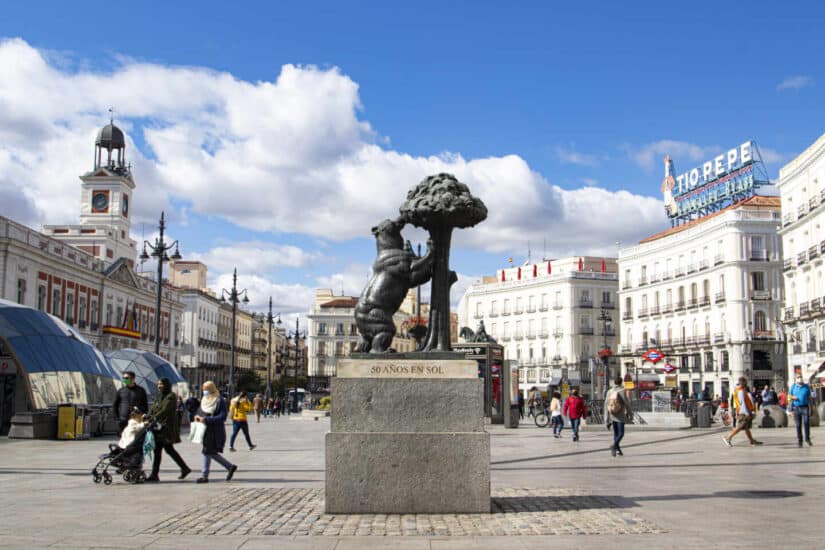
(110, 137)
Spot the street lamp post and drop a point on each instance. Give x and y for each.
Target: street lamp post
(159, 250)
(234, 297)
(604, 317)
(269, 320)
(294, 405)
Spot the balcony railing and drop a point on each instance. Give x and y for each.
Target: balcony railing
(543, 307)
(803, 310)
(680, 306)
(584, 302)
(558, 333)
(531, 335)
(787, 264)
(788, 314)
(626, 285)
(760, 294)
(642, 312)
(811, 345)
(518, 310)
(586, 330)
(667, 275)
(531, 309)
(558, 305)
(693, 303)
(704, 264)
(759, 255)
(787, 219)
(505, 313)
(718, 259)
(627, 315)
(667, 308)
(704, 301)
(719, 337)
(609, 332)
(680, 271)
(813, 252)
(801, 258)
(801, 211)
(544, 333)
(720, 297)
(642, 281)
(518, 336)
(815, 305)
(608, 305)
(655, 310)
(692, 268)
(493, 314)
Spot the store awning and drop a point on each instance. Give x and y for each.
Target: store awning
(555, 381)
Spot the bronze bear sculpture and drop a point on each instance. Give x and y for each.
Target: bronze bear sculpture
(396, 270)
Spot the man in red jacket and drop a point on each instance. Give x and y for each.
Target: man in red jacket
(574, 409)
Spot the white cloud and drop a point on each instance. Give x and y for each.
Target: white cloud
(651, 155)
(350, 282)
(771, 156)
(795, 82)
(287, 155)
(569, 155)
(286, 298)
(254, 257)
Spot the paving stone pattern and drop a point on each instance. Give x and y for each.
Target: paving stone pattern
(299, 512)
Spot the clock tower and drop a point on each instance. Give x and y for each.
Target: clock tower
(105, 203)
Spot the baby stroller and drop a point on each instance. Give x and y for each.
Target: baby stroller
(128, 461)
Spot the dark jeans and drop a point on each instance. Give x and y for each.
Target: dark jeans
(236, 427)
(170, 450)
(574, 425)
(558, 424)
(618, 434)
(802, 416)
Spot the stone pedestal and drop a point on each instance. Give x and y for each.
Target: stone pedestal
(407, 437)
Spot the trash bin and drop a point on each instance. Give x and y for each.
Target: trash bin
(66, 421)
(704, 412)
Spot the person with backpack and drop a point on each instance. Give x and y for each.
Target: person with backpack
(574, 409)
(617, 412)
(743, 404)
(801, 403)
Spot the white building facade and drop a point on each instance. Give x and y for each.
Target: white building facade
(708, 294)
(802, 189)
(552, 317)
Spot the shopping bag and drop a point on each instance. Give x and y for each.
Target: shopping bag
(196, 432)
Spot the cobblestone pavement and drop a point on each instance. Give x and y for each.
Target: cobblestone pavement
(300, 512)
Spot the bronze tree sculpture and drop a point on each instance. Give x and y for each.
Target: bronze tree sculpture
(440, 204)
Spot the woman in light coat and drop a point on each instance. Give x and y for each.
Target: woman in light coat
(212, 413)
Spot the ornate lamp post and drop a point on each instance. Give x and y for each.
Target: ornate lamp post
(269, 320)
(234, 297)
(159, 250)
(293, 402)
(605, 352)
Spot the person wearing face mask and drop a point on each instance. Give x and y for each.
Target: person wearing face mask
(130, 396)
(800, 400)
(164, 410)
(212, 412)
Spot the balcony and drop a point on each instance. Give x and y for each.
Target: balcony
(667, 275)
(543, 307)
(626, 285)
(718, 259)
(493, 314)
(815, 305)
(797, 349)
(609, 332)
(719, 298)
(518, 311)
(693, 303)
(787, 219)
(654, 278)
(655, 310)
(680, 271)
(642, 312)
(627, 315)
(811, 346)
(93, 326)
(704, 301)
(787, 264)
(759, 256)
(585, 302)
(822, 345)
(692, 268)
(803, 310)
(558, 333)
(703, 265)
(802, 211)
(505, 338)
(719, 337)
(81, 324)
(557, 359)
(608, 305)
(531, 335)
(531, 309)
(642, 281)
(760, 294)
(812, 202)
(680, 306)
(801, 258)
(545, 334)
(822, 247)
(667, 308)
(813, 252)
(586, 330)
(701, 340)
(558, 305)
(518, 336)
(505, 313)
(625, 348)
(478, 315)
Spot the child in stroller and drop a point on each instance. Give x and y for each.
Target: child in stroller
(127, 456)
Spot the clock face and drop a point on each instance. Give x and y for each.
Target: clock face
(100, 202)
(125, 205)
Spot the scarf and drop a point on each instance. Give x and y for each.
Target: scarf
(210, 402)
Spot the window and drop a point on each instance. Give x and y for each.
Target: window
(119, 318)
(669, 297)
(21, 291)
(70, 308)
(322, 328)
(109, 314)
(478, 310)
(606, 297)
(56, 305)
(725, 361)
(322, 348)
(758, 250)
(694, 292)
(339, 349)
(506, 330)
(506, 306)
(544, 301)
(709, 361)
(339, 329)
(41, 298)
(760, 323)
(758, 280)
(494, 308)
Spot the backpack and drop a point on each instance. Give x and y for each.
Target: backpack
(614, 404)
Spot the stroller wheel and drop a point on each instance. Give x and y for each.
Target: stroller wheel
(107, 479)
(127, 476)
(96, 478)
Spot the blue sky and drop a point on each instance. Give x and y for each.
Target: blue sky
(557, 114)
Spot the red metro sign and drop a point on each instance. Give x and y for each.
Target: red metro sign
(653, 355)
(668, 368)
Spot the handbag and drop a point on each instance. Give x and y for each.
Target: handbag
(196, 432)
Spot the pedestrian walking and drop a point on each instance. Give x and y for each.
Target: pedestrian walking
(520, 406)
(130, 396)
(192, 404)
(270, 407)
(555, 415)
(531, 403)
(782, 398)
(801, 404)
(258, 406)
(617, 413)
(574, 409)
(238, 408)
(278, 407)
(743, 403)
(165, 412)
(212, 412)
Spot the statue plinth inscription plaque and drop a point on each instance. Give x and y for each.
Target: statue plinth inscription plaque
(407, 437)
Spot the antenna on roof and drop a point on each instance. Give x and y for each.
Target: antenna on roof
(544, 249)
(111, 115)
(528, 252)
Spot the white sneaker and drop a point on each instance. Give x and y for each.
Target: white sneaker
(727, 441)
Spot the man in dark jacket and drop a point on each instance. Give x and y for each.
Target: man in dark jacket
(128, 397)
(164, 410)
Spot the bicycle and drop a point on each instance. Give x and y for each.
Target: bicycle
(542, 419)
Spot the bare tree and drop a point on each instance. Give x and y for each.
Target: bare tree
(440, 204)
